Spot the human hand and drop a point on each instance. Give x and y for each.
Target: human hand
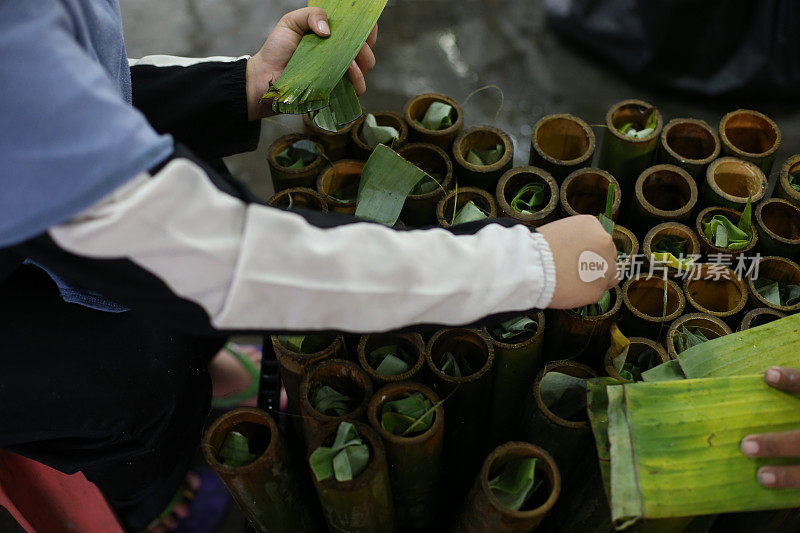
(568, 239)
(268, 63)
(781, 444)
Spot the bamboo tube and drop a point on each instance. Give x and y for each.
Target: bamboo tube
(643, 313)
(784, 189)
(561, 144)
(759, 317)
(287, 178)
(343, 376)
(336, 144)
(516, 365)
(625, 158)
(466, 399)
(482, 512)
(362, 150)
(293, 367)
(420, 209)
(584, 192)
(416, 108)
(573, 336)
(707, 247)
(415, 462)
(730, 182)
(272, 491)
(335, 177)
(627, 243)
(638, 346)
(710, 326)
(462, 195)
(778, 224)
(412, 343)
(777, 269)
(516, 178)
(751, 136)
(565, 439)
(716, 290)
(482, 138)
(299, 198)
(363, 504)
(670, 229)
(690, 144)
(663, 193)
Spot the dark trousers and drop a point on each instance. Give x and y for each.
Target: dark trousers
(116, 396)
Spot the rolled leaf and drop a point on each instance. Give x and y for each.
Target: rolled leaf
(345, 459)
(516, 482)
(373, 134)
(469, 212)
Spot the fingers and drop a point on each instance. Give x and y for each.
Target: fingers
(309, 18)
(779, 477)
(357, 77)
(783, 444)
(785, 379)
(373, 37)
(365, 59)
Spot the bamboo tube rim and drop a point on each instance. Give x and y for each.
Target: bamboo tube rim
(583, 174)
(696, 126)
(685, 182)
(727, 277)
(411, 341)
(628, 239)
(760, 121)
(227, 422)
(295, 361)
(326, 436)
(734, 217)
(571, 368)
(749, 172)
(466, 141)
(517, 450)
(783, 211)
(536, 315)
(789, 271)
(316, 130)
(642, 106)
(303, 192)
(281, 143)
(478, 339)
(753, 315)
(355, 373)
(335, 176)
(710, 324)
(674, 229)
(546, 153)
(483, 199)
(405, 151)
(640, 342)
(673, 289)
(791, 165)
(413, 111)
(616, 295)
(383, 118)
(516, 177)
(398, 391)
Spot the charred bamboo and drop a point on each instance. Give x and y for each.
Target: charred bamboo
(690, 144)
(299, 198)
(710, 326)
(420, 209)
(513, 181)
(338, 185)
(561, 144)
(361, 150)
(644, 353)
(646, 312)
(708, 248)
(777, 269)
(454, 200)
(759, 317)
(288, 178)
(584, 192)
(663, 193)
(415, 110)
(480, 139)
(751, 136)
(731, 182)
(573, 335)
(718, 291)
(778, 224)
(671, 230)
(784, 189)
(411, 343)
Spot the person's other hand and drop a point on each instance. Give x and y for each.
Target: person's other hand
(781, 444)
(268, 63)
(568, 239)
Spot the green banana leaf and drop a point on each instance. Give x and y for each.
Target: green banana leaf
(455, 366)
(685, 339)
(515, 330)
(777, 292)
(794, 180)
(529, 199)
(343, 108)
(607, 218)
(563, 394)
(386, 181)
(429, 183)
(650, 126)
(469, 212)
(299, 154)
(516, 482)
(597, 309)
(724, 234)
(409, 416)
(235, 450)
(390, 360)
(372, 134)
(331, 402)
(305, 344)
(486, 157)
(345, 459)
(437, 117)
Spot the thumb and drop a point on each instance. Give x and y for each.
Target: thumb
(309, 18)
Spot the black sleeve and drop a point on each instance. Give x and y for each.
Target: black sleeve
(203, 106)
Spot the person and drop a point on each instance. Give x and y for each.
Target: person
(128, 253)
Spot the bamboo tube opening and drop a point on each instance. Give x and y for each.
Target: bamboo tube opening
(749, 133)
(483, 138)
(616, 305)
(645, 299)
(735, 180)
(524, 341)
(570, 368)
(643, 352)
(759, 317)
(259, 428)
(336, 144)
(299, 198)
(465, 345)
(545, 497)
(515, 179)
(413, 345)
(417, 106)
(584, 192)
(719, 291)
(382, 118)
(692, 141)
(671, 229)
(343, 376)
(287, 141)
(780, 220)
(432, 160)
(458, 198)
(777, 269)
(625, 241)
(710, 326)
(377, 457)
(666, 191)
(635, 112)
(399, 391)
(563, 139)
(785, 189)
(709, 247)
(336, 177)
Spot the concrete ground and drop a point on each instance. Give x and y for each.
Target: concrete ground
(448, 46)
